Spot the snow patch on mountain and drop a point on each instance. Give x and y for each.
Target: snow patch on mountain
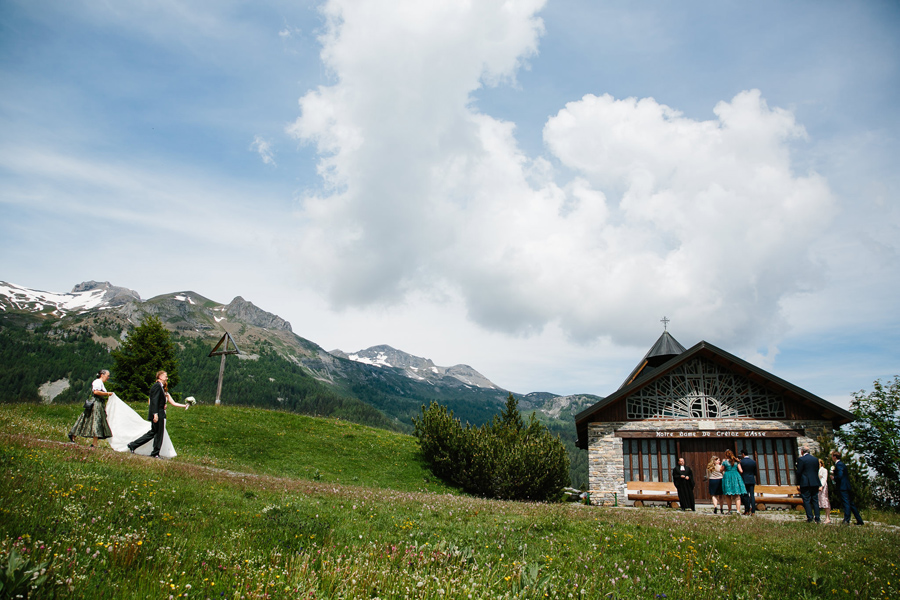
(16, 297)
(415, 367)
(379, 360)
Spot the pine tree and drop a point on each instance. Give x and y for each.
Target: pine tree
(147, 349)
(510, 419)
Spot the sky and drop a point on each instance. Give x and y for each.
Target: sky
(524, 186)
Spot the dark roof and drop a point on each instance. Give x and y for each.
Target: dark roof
(639, 378)
(665, 348)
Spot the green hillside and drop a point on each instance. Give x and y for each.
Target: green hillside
(263, 442)
(91, 524)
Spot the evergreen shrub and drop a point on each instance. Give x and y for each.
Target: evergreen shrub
(506, 458)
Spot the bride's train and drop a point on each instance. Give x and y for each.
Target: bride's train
(128, 426)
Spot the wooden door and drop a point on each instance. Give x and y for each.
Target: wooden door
(697, 454)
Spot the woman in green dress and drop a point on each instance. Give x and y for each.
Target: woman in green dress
(92, 422)
(732, 482)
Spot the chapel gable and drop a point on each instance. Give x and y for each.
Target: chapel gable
(702, 389)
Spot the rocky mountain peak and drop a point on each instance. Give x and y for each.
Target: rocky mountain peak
(113, 295)
(247, 312)
(416, 367)
(468, 375)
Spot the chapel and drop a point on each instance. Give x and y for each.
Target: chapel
(695, 403)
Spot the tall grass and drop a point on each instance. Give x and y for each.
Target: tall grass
(121, 526)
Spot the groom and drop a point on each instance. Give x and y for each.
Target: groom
(842, 479)
(157, 416)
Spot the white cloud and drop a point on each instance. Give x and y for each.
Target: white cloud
(264, 149)
(701, 220)
(397, 132)
(723, 222)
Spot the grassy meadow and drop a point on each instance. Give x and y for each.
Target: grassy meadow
(264, 504)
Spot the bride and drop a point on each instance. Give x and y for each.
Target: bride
(127, 426)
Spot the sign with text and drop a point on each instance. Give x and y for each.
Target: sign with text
(712, 434)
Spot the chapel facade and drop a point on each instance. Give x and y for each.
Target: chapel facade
(696, 403)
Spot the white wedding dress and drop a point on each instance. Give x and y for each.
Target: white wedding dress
(127, 426)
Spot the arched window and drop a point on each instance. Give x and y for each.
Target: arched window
(700, 389)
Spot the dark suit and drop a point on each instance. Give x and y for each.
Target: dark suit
(684, 486)
(748, 468)
(842, 481)
(157, 429)
(808, 480)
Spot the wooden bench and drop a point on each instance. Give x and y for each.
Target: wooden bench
(653, 491)
(786, 494)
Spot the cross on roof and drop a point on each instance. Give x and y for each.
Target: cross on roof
(665, 322)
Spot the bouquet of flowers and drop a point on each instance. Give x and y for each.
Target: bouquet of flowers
(189, 401)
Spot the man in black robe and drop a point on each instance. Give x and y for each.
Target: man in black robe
(683, 477)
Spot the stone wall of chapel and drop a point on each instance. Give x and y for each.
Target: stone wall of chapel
(606, 465)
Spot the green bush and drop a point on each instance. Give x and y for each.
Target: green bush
(507, 458)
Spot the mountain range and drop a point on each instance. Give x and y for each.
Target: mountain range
(393, 381)
(190, 312)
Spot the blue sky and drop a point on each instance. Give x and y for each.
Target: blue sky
(525, 187)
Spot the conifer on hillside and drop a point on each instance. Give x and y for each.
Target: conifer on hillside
(146, 350)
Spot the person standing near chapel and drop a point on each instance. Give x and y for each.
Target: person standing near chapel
(159, 396)
(714, 474)
(842, 482)
(683, 477)
(808, 481)
(824, 502)
(732, 481)
(748, 473)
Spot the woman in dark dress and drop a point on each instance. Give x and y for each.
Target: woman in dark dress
(92, 422)
(714, 474)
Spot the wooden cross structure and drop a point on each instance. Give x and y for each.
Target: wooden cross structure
(223, 344)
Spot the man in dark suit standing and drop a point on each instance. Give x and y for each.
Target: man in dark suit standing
(842, 481)
(157, 415)
(683, 478)
(748, 472)
(808, 480)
